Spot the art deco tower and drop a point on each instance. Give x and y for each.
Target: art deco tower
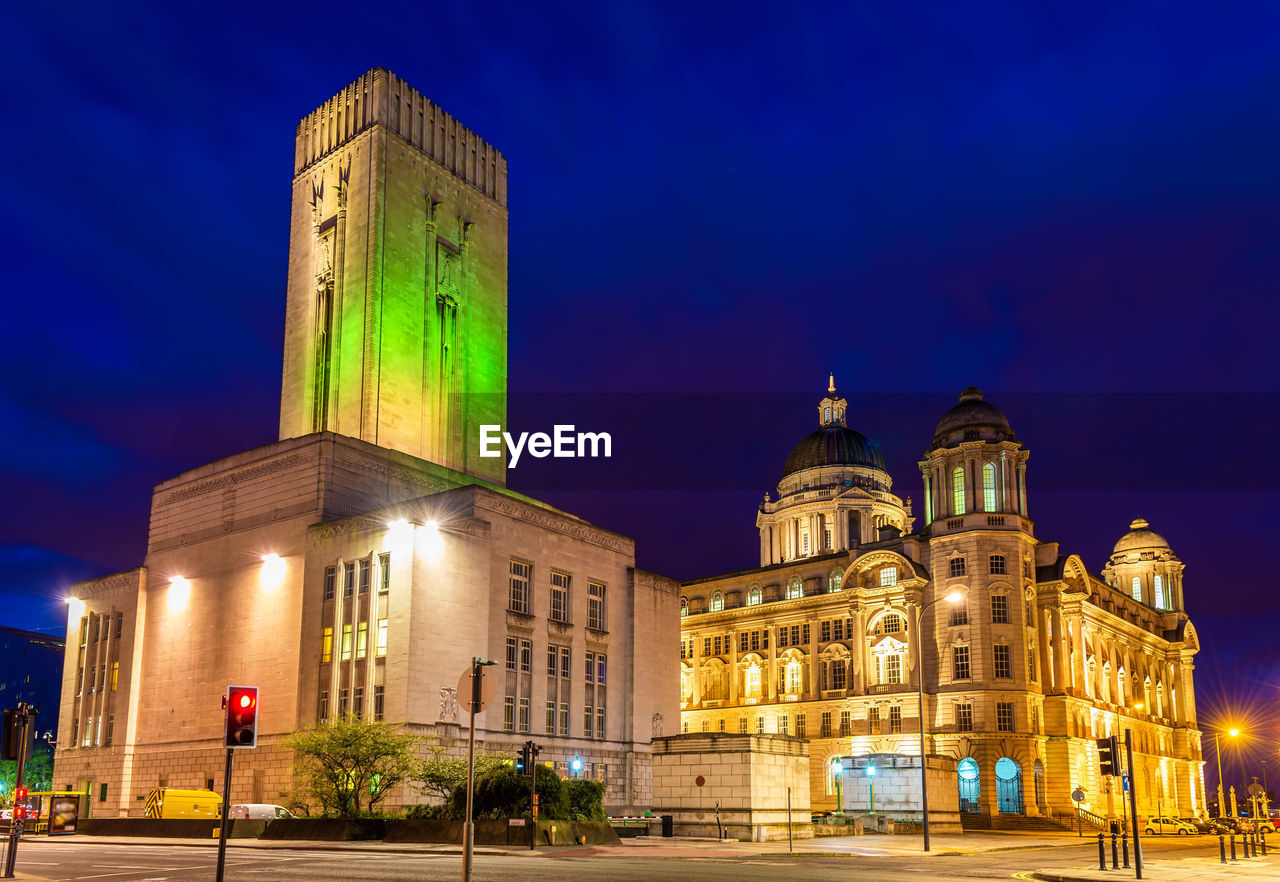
(395, 331)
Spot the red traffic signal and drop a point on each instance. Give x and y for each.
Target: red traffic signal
(19, 803)
(241, 703)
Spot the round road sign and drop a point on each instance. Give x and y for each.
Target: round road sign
(464, 690)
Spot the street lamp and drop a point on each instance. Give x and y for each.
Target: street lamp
(1217, 749)
(837, 772)
(953, 597)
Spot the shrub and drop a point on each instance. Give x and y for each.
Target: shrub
(504, 793)
(586, 799)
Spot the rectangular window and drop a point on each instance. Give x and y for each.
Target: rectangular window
(755, 640)
(595, 606)
(959, 616)
(342, 703)
(362, 640)
(382, 637)
(838, 674)
(893, 668)
(837, 629)
(964, 717)
(346, 643)
(895, 719)
(706, 647)
(566, 659)
(324, 705)
(742, 725)
(824, 632)
(526, 662)
(326, 647)
(349, 579)
(524, 715)
(999, 609)
(782, 637)
(512, 651)
(760, 725)
(801, 726)
(508, 713)
(357, 702)
(591, 667)
(846, 723)
(588, 717)
(384, 572)
(1031, 662)
(553, 658)
(551, 718)
(1004, 716)
(330, 580)
(1003, 660)
(955, 567)
(518, 587)
(93, 679)
(111, 728)
(784, 724)
(564, 718)
(716, 645)
(559, 597)
(115, 675)
(601, 668)
(379, 701)
(742, 642)
(119, 624)
(366, 572)
(795, 635)
(873, 721)
(960, 663)
(888, 577)
(997, 565)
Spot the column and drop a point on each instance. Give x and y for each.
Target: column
(1061, 644)
(1042, 647)
(913, 648)
(697, 670)
(815, 666)
(1081, 649)
(773, 662)
(733, 667)
(1022, 489)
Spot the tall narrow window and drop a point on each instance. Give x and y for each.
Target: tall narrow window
(1003, 660)
(794, 589)
(753, 595)
(957, 490)
(346, 643)
(1000, 609)
(379, 701)
(115, 675)
(559, 597)
(717, 602)
(326, 648)
(1159, 592)
(595, 606)
(362, 640)
(960, 663)
(1137, 588)
(357, 702)
(384, 572)
(989, 487)
(964, 717)
(382, 637)
(366, 572)
(518, 587)
(330, 580)
(349, 579)
(895, 719)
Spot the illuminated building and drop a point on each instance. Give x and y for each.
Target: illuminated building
(1040, 657)
(357, 565)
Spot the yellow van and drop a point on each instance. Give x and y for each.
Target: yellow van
(169, 802)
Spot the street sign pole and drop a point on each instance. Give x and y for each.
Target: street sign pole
(533, 794)
(476, 700)
(226, 808)
(1133, 805)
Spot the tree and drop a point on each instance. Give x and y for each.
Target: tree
(439, 773)
(37, 775)
(350, 765)
(504, 793)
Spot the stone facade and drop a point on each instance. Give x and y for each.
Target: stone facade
(356, 566)
(889, 784)
(742, 787)
(1035, 660)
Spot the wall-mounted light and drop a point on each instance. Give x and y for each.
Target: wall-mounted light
(179, 594)
(431, 540)
(272, 574)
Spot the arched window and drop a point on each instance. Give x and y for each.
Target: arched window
(834, 580)
(989, 487)
(753, 680)
(793, 588)
(826, 414)
(1137, 588)
(957, 490)
(1159, 583)
(717, 602)
(754, 595)
(970, 790)
(684, 606)
(794, 671)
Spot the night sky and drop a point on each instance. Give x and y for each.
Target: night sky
(1073, 206)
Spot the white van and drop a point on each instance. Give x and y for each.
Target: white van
(259, 810)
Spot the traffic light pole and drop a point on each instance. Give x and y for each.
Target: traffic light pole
(226, 808)
(1133, 803)
(469, 828)
(533, 795)
(16, 822)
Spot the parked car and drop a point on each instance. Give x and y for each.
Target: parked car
(259, 810)
(1202, 825)
(1167, 826)
(1239, 826)
(1265, 825)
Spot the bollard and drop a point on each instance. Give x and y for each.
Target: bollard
(1115, 853)
(1253, 844)
(1222, 847)
(1264, 842)
(1102, 853)
(1233, 846)
(1248, 845)
(1124, 848)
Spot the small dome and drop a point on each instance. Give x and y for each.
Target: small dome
(1140, 536)
(971, 414)
(834, 445)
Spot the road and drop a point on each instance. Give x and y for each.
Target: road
(83, 859)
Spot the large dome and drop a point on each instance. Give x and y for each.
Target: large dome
(1140, 536)
(971, 414)
(834, 445)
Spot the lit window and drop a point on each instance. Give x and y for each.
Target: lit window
(346, 642)
(989, 487)
(684, 606)
(835, 580)
(964, 717)
(509, 713)
(1137, 589)
(753, 595)
(794, 669)
(1004, 716)
(1159, 592)
(115, 675)
(362, 640)
(957, 490)
(793, 588)
(717, 602)
(518, 587)
(753, 681)
(892, 624)
(895, 719)
(326, 649)
(382, 637)
(888, 577)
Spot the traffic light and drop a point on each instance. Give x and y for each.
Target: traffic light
(242, 716)
(1108, 756)
(522, 758)
(11, 735)
(20, 804)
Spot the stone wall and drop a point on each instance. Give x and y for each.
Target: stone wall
(896, 783)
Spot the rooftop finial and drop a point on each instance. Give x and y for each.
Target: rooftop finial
(831, 383)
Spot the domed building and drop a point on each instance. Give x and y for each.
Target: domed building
(1027, 657)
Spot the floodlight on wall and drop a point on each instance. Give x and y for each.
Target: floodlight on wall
(179, 593)
(271, 576)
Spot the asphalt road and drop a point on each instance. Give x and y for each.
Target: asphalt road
(83, 859)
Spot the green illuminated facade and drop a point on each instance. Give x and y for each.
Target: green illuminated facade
(396, 325)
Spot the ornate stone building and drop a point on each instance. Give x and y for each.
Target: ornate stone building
(355, 566)
(1026, 656)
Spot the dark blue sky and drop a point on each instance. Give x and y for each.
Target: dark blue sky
(1073, 206)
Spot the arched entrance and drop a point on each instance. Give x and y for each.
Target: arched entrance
(970, 785)
(1008, 786)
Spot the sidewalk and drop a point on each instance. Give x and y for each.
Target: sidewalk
(1184, 870)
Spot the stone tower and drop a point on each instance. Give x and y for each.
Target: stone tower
(396, 322)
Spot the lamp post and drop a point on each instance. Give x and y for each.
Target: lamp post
(953, 597)
(837, 771)
(1217, 749)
